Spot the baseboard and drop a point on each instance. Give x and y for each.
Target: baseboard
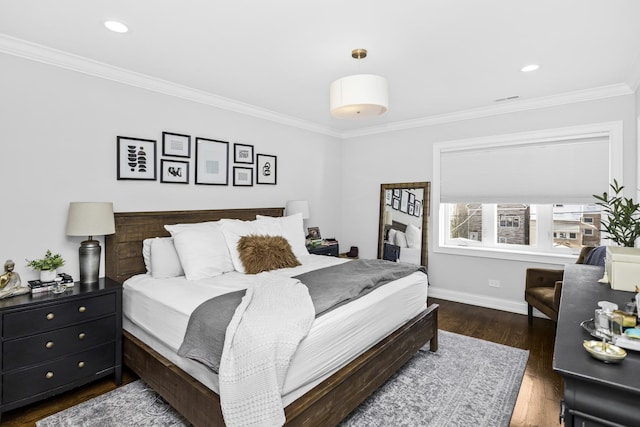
(518, 307)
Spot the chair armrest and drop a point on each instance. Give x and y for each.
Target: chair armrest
(556, 296)
(537, 277)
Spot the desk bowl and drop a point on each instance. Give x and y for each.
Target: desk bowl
(608, 353)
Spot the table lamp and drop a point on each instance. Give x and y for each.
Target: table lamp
(297, 206)
(90, 219)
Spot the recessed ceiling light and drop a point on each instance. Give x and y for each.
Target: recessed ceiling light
(115, 26)
(528, 68)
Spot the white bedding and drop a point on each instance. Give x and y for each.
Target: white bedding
(157, 312)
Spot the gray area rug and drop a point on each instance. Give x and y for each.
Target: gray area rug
(468, 382)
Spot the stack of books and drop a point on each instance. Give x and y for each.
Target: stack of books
(38, 286)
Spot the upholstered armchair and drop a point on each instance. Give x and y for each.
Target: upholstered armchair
(543, 287)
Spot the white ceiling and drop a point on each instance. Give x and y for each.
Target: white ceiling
(277, 58)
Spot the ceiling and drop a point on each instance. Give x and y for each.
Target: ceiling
(277, 58)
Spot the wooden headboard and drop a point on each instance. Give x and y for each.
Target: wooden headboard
(123, 250)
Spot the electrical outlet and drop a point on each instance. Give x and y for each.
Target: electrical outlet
(494, 283)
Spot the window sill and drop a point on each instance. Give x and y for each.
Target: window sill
(506, 254)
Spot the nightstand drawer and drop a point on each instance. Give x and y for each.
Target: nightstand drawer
(57, 316)
(30, 382)
(49, 345)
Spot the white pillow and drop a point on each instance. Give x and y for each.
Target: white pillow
(234, 229)
(292, 230)
(401, 239)
(146, 254)
(201, 248)
(391, 238)
(164, 259)
(414, 236)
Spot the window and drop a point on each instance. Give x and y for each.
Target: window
(520, 193)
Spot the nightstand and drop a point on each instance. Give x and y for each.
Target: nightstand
(329, 250)
(52, 343)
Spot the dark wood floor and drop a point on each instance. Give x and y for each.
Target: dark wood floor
(538, 401)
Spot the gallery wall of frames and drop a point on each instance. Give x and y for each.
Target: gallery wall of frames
(214, 162)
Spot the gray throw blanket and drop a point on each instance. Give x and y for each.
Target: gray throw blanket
(329, 288)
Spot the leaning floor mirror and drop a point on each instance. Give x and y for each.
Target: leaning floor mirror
(403, 226)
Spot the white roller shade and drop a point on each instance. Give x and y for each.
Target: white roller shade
(559, 171)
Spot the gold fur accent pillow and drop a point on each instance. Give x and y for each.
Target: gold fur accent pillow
(263, 253)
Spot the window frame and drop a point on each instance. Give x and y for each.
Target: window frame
(544, 250)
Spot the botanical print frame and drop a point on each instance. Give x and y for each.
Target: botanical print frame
(176, 145)
(404, 201)
(212, 162)
(242, 177)
(266, 169)
(136, 158)
(243, 153)
(174, 171)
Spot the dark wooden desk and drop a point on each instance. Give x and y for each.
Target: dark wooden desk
(595, 393)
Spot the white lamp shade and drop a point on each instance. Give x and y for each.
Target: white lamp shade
(297, 206)
(90, 219)
(359, 96)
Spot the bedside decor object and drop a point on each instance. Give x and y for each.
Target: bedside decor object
(601, 350)
(10, 282)
(266, 169)
(212, 162)
(175, 144)
(90, 219)
(136, 158)
(47, 266)
(314, 233)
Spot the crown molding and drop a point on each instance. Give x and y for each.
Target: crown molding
(36, 52)
(58, 58)
(494, 110)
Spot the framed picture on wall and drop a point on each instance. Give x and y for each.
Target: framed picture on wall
(243, 153)
(136, 158)
(410, 209)
(212, 162)
(417, 208)
(396, 193)
(242, 177)
(388, 196)
(174, 171)
(176, 145)
(412, 198)
(396, 204)
(404, 201)
(266, 169)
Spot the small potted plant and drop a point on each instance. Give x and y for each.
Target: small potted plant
(622, 221)
(47, 265)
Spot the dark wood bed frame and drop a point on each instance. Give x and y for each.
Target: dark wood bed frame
(325, 405)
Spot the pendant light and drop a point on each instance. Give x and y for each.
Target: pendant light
(360, 95)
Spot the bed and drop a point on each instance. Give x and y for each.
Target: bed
(326, 403)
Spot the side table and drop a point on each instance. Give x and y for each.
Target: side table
(52, 343)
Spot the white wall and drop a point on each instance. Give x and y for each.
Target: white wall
(406, 156)
(59, 129)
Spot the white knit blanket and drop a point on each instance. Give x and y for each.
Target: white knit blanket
(273, 317)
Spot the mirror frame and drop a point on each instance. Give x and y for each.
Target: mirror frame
(426, 212)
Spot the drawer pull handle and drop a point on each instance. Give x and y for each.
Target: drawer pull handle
(82, 309)
(81, 335)
(50, 316)
(49, 344)
(80, 364)
(49, 375)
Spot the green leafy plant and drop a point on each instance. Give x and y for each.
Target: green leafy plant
(49, 262)
(622, 222)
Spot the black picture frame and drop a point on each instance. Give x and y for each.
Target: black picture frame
(396, 204)
(266, 169)
(404, 201)
(176, 145)
(388, 196)
(243, 153)
(242, 177)
(136, 158)
(174, 171)
(212, 162)
(417, 208)
(396, 193)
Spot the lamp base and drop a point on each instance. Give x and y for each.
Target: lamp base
(89, 255)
